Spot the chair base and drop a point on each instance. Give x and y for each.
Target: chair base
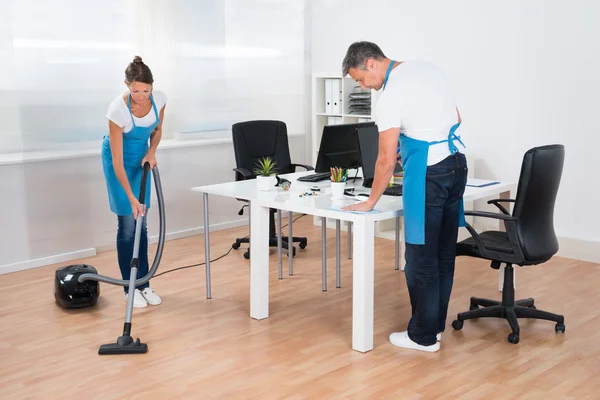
(302, 241)
(509, 309)
(273, 243)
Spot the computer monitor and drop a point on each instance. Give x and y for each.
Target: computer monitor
(339, 147)
(368, 139)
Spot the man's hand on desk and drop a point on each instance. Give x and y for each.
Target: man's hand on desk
(362, 206)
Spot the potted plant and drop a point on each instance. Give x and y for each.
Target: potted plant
(265, 174)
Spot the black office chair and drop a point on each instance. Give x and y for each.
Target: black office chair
(529, 239)
(252, 141)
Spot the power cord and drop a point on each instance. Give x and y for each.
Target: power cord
(218, 258)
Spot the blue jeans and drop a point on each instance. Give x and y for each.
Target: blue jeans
(125, 242)
(430, 267)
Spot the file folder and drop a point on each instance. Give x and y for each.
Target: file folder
(328, 96)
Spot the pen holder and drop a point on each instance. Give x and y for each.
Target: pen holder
(337, 190)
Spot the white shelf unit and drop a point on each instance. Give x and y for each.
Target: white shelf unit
(319, 115)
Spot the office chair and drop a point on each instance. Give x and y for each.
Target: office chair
(529, 239)
(253, 140)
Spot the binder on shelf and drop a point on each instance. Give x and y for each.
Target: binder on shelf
(328, 96)
(336, 93)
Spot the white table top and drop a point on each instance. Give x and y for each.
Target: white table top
(321, 203)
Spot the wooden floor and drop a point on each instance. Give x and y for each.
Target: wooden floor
(212, 349)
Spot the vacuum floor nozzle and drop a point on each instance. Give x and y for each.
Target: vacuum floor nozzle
(124, 345)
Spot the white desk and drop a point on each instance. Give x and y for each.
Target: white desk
(320, 205)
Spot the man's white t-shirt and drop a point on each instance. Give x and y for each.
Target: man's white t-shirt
(418, 100)
(120, 115)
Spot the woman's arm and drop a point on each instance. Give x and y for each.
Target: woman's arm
(116, 149)
(155, 140)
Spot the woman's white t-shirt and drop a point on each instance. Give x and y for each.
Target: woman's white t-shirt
(120, 115)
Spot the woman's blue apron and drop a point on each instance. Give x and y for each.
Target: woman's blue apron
(414, 155)
(135, 147)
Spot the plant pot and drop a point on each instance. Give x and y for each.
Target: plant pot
(266, 183)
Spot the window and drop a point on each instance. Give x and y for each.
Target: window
(218, 61)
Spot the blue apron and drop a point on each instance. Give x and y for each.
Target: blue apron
(135, 147)
(414, 155)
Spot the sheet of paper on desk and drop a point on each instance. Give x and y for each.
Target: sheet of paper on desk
(480, 183)
(335, 208)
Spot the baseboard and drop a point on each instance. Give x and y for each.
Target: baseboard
(185, 233)
(75, 255)
(40, 262)
(200, 230)
(579, 249)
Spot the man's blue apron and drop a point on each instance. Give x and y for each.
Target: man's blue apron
(135, 147)
(414, 155)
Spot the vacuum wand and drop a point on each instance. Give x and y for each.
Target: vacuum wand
(125, 343)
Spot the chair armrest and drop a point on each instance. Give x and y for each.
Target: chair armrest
(243, 173)
(500, 206)
(486, 214)
(307, 167)
(510, 223)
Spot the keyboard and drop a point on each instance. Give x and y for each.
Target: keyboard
(321, 176)
(395, 190)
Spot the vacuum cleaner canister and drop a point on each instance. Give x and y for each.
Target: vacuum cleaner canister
(69, 292)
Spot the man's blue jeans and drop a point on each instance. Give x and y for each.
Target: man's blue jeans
(430, 267)
(125, 241)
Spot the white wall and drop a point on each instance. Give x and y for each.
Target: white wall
(525, 72)
(54, 208)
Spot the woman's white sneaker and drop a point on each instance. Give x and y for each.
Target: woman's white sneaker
(151, 297)
(138, 300)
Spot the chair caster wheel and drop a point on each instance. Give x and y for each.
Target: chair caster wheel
(247, 255)
(293, 253)
(513, 338)
(560, 327)
(457, 324)
(473, 307)
(302, 245)
(235, 246)
(533, 307)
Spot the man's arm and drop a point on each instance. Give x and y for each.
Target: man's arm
(384, 168)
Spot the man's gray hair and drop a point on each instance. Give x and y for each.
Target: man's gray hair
(358, 53)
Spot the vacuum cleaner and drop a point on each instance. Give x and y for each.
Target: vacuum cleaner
(76, 286)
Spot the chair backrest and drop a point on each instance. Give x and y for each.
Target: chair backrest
(539, 181)
(254, 140)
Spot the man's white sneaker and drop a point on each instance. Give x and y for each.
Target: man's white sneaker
(401, 339)
(152, 298)
(138, 300)
(438, 337)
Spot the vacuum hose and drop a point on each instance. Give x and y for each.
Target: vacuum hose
(161, 234)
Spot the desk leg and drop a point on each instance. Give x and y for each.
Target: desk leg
(349, 240)
(397, 253)
(259, 262)
(363, 281)
(402, 244)
(502, 228)
(206, 244)
(279, 244)
(324, 253)
(338, 255)
(290, 253)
